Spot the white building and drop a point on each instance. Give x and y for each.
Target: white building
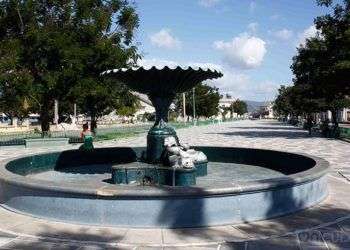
(343, 115)
(146, 105)
(267, 111)
(225, 102)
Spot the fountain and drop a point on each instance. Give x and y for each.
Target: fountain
(161, 86)
(166, 184)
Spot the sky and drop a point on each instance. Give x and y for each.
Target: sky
(251, 42)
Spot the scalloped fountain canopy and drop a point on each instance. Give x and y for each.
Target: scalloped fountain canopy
(164, 81)
(161, 85)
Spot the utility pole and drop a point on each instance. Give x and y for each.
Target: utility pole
(184, 105)
(194, 105)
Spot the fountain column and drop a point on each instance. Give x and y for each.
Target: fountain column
(160, 129)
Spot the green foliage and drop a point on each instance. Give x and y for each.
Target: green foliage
(282, 106)
(58, 49)
(296, 101)
(239, 107)
(206, 101)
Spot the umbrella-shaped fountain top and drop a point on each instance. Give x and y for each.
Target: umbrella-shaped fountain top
(161, 85)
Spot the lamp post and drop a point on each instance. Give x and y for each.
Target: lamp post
(56, 112)
(184, 105)
(194, 105)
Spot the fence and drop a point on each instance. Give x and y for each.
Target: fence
(344, 133)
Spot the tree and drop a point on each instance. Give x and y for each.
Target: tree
(14, 98)
(282, 105)
(105, 47)
(59, 45)
(206, 101)
(103, 98)
(322, 66)
(239, 107)
(296, 100)
(335, 30)
(314, 80)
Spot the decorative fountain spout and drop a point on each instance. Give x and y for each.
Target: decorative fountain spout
(161, 86)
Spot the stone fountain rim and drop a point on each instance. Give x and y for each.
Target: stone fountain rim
(108, 191)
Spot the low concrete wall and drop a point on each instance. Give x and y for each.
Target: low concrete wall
(46, 142)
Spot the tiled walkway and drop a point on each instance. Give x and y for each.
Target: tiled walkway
(326, 226)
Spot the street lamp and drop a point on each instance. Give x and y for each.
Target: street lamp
(184, 105)
(194, 105)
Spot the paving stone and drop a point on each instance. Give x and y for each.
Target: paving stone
(199, 235)
(149, 248)
(9, 219)
(103, 247)
(71, 232)
(5, 238)
(61, 246)
(26, 244)
(285, 243)
(210, 247)
(143, 236)
(312, 240)
(234, 246)
(336, 239)
(345, 225)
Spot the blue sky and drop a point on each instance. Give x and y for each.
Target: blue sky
(251, 41)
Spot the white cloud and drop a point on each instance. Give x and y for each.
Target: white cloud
(164, 39)
(253, 27)
(283, 34)
(252, 6)
(307, 33)
(235, 82)
(208, 3)
(244, 51)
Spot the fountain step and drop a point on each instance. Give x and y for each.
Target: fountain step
(139, 173)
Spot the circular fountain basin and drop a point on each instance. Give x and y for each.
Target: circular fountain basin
(241, 185)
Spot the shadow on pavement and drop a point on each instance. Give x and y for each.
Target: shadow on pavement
(267, 134)
(269, 128)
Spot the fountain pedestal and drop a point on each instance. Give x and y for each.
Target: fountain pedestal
(155, 142)
(160, 129)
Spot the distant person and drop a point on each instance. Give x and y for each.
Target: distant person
(85, 131)
(86, 135)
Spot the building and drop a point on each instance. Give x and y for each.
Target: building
(146, 105)
(266, 111)
(343, 115)
(224, 103)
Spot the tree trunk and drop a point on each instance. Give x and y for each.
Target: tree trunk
(309, 123)
(45, 118)
(45, 123)
(93, 125)
(11, 119)
(334, 118)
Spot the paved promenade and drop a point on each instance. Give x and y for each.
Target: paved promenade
(325, 226)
